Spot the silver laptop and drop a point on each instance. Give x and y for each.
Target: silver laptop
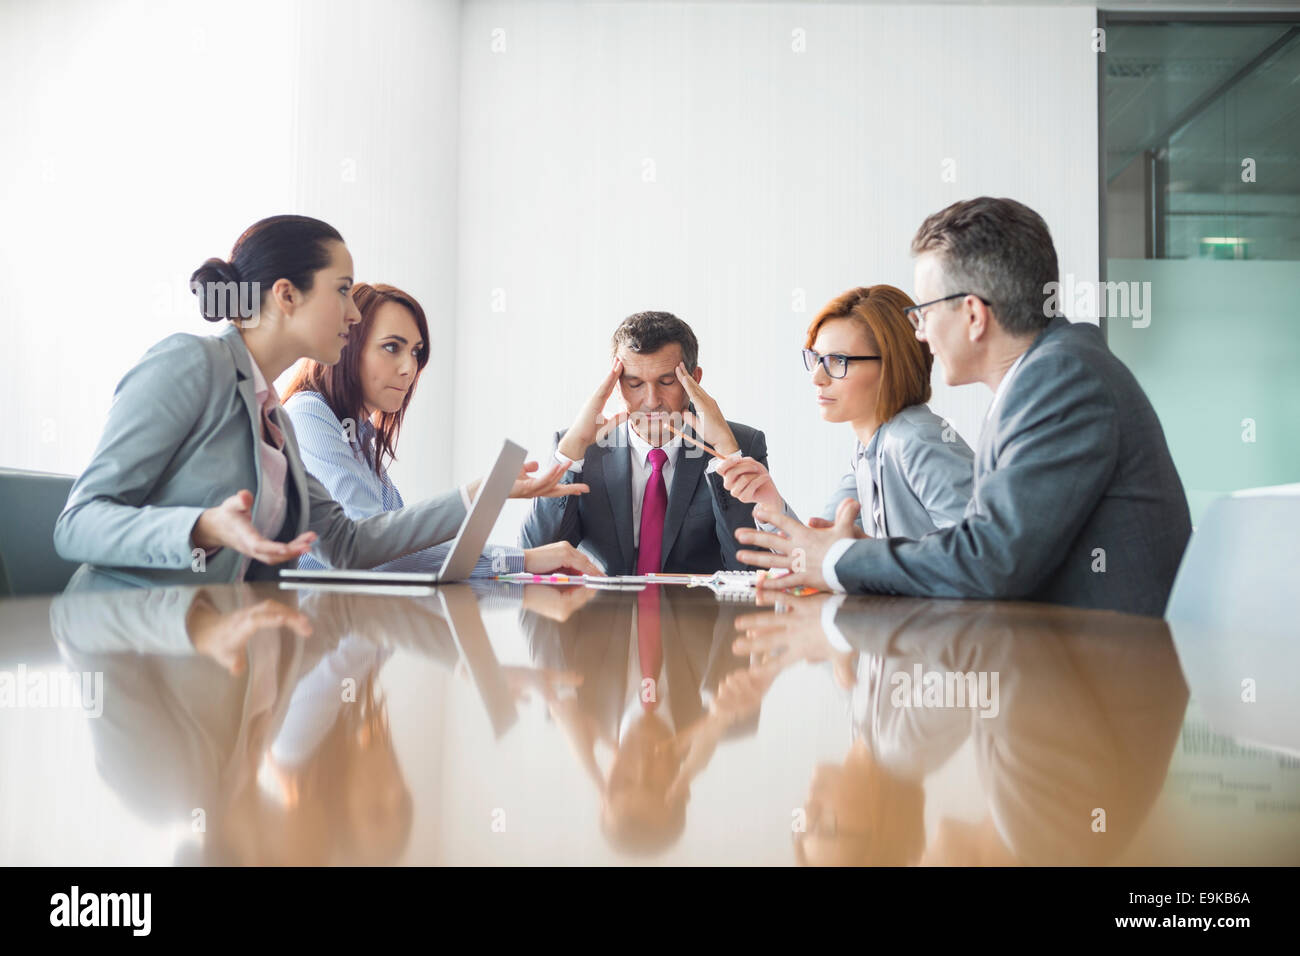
(465, 549)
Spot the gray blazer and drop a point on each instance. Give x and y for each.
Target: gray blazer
(1076, 498)
(1087, 710)
(699, 528)
(175, 729)
(183, 435)
(922, 471)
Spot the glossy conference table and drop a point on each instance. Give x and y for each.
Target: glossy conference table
(508, 724)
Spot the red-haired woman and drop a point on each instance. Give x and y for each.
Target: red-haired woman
(911, 473)
(348, 416)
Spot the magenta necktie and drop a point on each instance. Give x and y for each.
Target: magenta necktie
(653, 508)
(649, 644)
(650, 561)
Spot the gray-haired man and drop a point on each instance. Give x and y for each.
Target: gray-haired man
(656, 503)
(1076, 499)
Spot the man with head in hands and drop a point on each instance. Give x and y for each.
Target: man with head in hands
(1076, 498)
(656, 503)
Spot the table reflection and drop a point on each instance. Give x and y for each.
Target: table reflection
(501, 723)
(647, 672)
(1073, 719)
(260, 719)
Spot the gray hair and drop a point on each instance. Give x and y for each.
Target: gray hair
(651, 331)
(998, 249)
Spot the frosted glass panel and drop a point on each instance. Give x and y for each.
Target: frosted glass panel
(1220, 360)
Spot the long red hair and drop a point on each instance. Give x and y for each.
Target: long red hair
(340, 384)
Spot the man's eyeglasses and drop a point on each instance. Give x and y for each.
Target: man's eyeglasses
(836, 365)
(916, 313)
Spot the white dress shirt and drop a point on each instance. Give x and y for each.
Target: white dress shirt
(873, 510)
(640, 450)
(1002, 385)
(834, 636)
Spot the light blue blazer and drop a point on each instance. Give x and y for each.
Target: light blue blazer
(336, 458)
(922, 473)
(184, 434)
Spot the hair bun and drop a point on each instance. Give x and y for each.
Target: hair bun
(216, 283)
(293, 248)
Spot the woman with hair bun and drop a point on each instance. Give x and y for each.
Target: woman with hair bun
(198, 477)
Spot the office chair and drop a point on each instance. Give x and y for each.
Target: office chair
(30, 502)
(1232, 612)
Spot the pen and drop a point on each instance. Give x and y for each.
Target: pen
(694, 441)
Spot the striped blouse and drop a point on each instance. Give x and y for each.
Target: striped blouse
(338, 461)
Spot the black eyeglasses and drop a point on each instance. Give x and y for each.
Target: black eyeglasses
(916, 315)
(837, 366)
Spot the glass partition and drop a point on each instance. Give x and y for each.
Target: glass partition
(1200, 140)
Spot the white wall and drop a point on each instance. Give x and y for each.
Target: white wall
(141, 138)
(776, 174)
(379, 86)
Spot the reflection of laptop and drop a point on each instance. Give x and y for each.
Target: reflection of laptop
(465, 550)
(460, 606)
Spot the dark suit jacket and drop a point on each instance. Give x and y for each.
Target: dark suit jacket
(696, 630)
(1076, 498)
(699, 528)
